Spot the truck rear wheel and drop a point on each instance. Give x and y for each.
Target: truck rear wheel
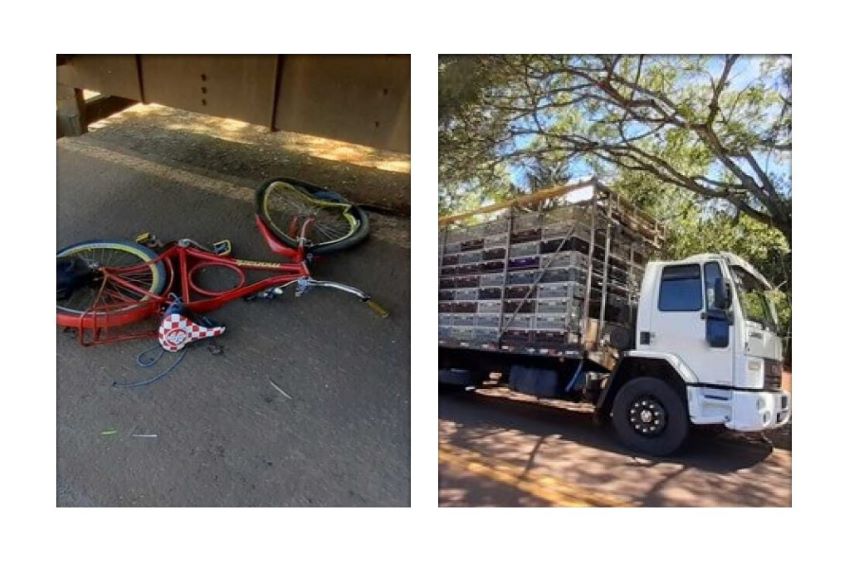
(650, 417)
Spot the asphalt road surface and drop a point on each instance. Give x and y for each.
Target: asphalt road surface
(498, 448)
(215, 432)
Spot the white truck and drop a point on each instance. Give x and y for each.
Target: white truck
(575, 310)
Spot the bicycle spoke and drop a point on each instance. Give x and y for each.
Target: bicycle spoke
(140, 279)
(329, 231)
(79, 300)
(329, 222)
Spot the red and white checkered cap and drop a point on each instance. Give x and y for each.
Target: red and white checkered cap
(176, 331)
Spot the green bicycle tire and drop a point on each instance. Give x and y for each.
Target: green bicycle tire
(319, 199)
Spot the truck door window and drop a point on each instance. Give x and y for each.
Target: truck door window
(681, 288)
(712, 273)
(753, 298)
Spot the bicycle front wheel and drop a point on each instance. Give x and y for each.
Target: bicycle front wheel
(115, 299)
(285, 204)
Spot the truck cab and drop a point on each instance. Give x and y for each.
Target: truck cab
(707, 329)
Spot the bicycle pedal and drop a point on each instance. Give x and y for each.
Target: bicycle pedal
(148, 239)
(222, 248)
(144, 238)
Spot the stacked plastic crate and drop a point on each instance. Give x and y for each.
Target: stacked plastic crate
(515, 282)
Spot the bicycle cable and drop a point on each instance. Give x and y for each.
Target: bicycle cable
(142, 362)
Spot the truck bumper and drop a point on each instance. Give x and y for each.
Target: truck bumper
(739, 410)
(759, 411)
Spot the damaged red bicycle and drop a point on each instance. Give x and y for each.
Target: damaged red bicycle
(103, 285)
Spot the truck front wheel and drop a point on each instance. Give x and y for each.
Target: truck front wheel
(650, 417)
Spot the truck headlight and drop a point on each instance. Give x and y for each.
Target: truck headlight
(755, 372)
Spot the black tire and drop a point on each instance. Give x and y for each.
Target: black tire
(650, 398)
(318, 192)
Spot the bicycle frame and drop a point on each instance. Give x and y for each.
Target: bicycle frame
(182, 261)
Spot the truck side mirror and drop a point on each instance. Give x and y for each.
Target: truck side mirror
(717, 328)
(721, 295)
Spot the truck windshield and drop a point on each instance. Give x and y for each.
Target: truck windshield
(755, 304)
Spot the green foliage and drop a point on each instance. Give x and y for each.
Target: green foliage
(458, 197)
(717, 127)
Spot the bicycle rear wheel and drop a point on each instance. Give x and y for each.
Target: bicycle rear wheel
(285, 203)
(109, 301)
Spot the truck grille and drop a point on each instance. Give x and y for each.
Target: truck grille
(772, 374)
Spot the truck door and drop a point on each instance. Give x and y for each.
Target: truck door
(678, 321)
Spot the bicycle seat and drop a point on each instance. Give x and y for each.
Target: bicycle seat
(177, 329)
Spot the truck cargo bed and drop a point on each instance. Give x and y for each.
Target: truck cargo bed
(532, 276)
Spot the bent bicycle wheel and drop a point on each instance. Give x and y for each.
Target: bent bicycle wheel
(284, 204)
(118, 298)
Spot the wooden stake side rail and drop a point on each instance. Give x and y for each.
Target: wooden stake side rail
(624, 212)
(538, 196)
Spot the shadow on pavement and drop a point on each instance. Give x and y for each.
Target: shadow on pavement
(237, 149)
(544, 440)
(702, 451)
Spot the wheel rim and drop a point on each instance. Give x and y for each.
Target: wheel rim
(111, 255)
(285, 206)
(647, 416)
